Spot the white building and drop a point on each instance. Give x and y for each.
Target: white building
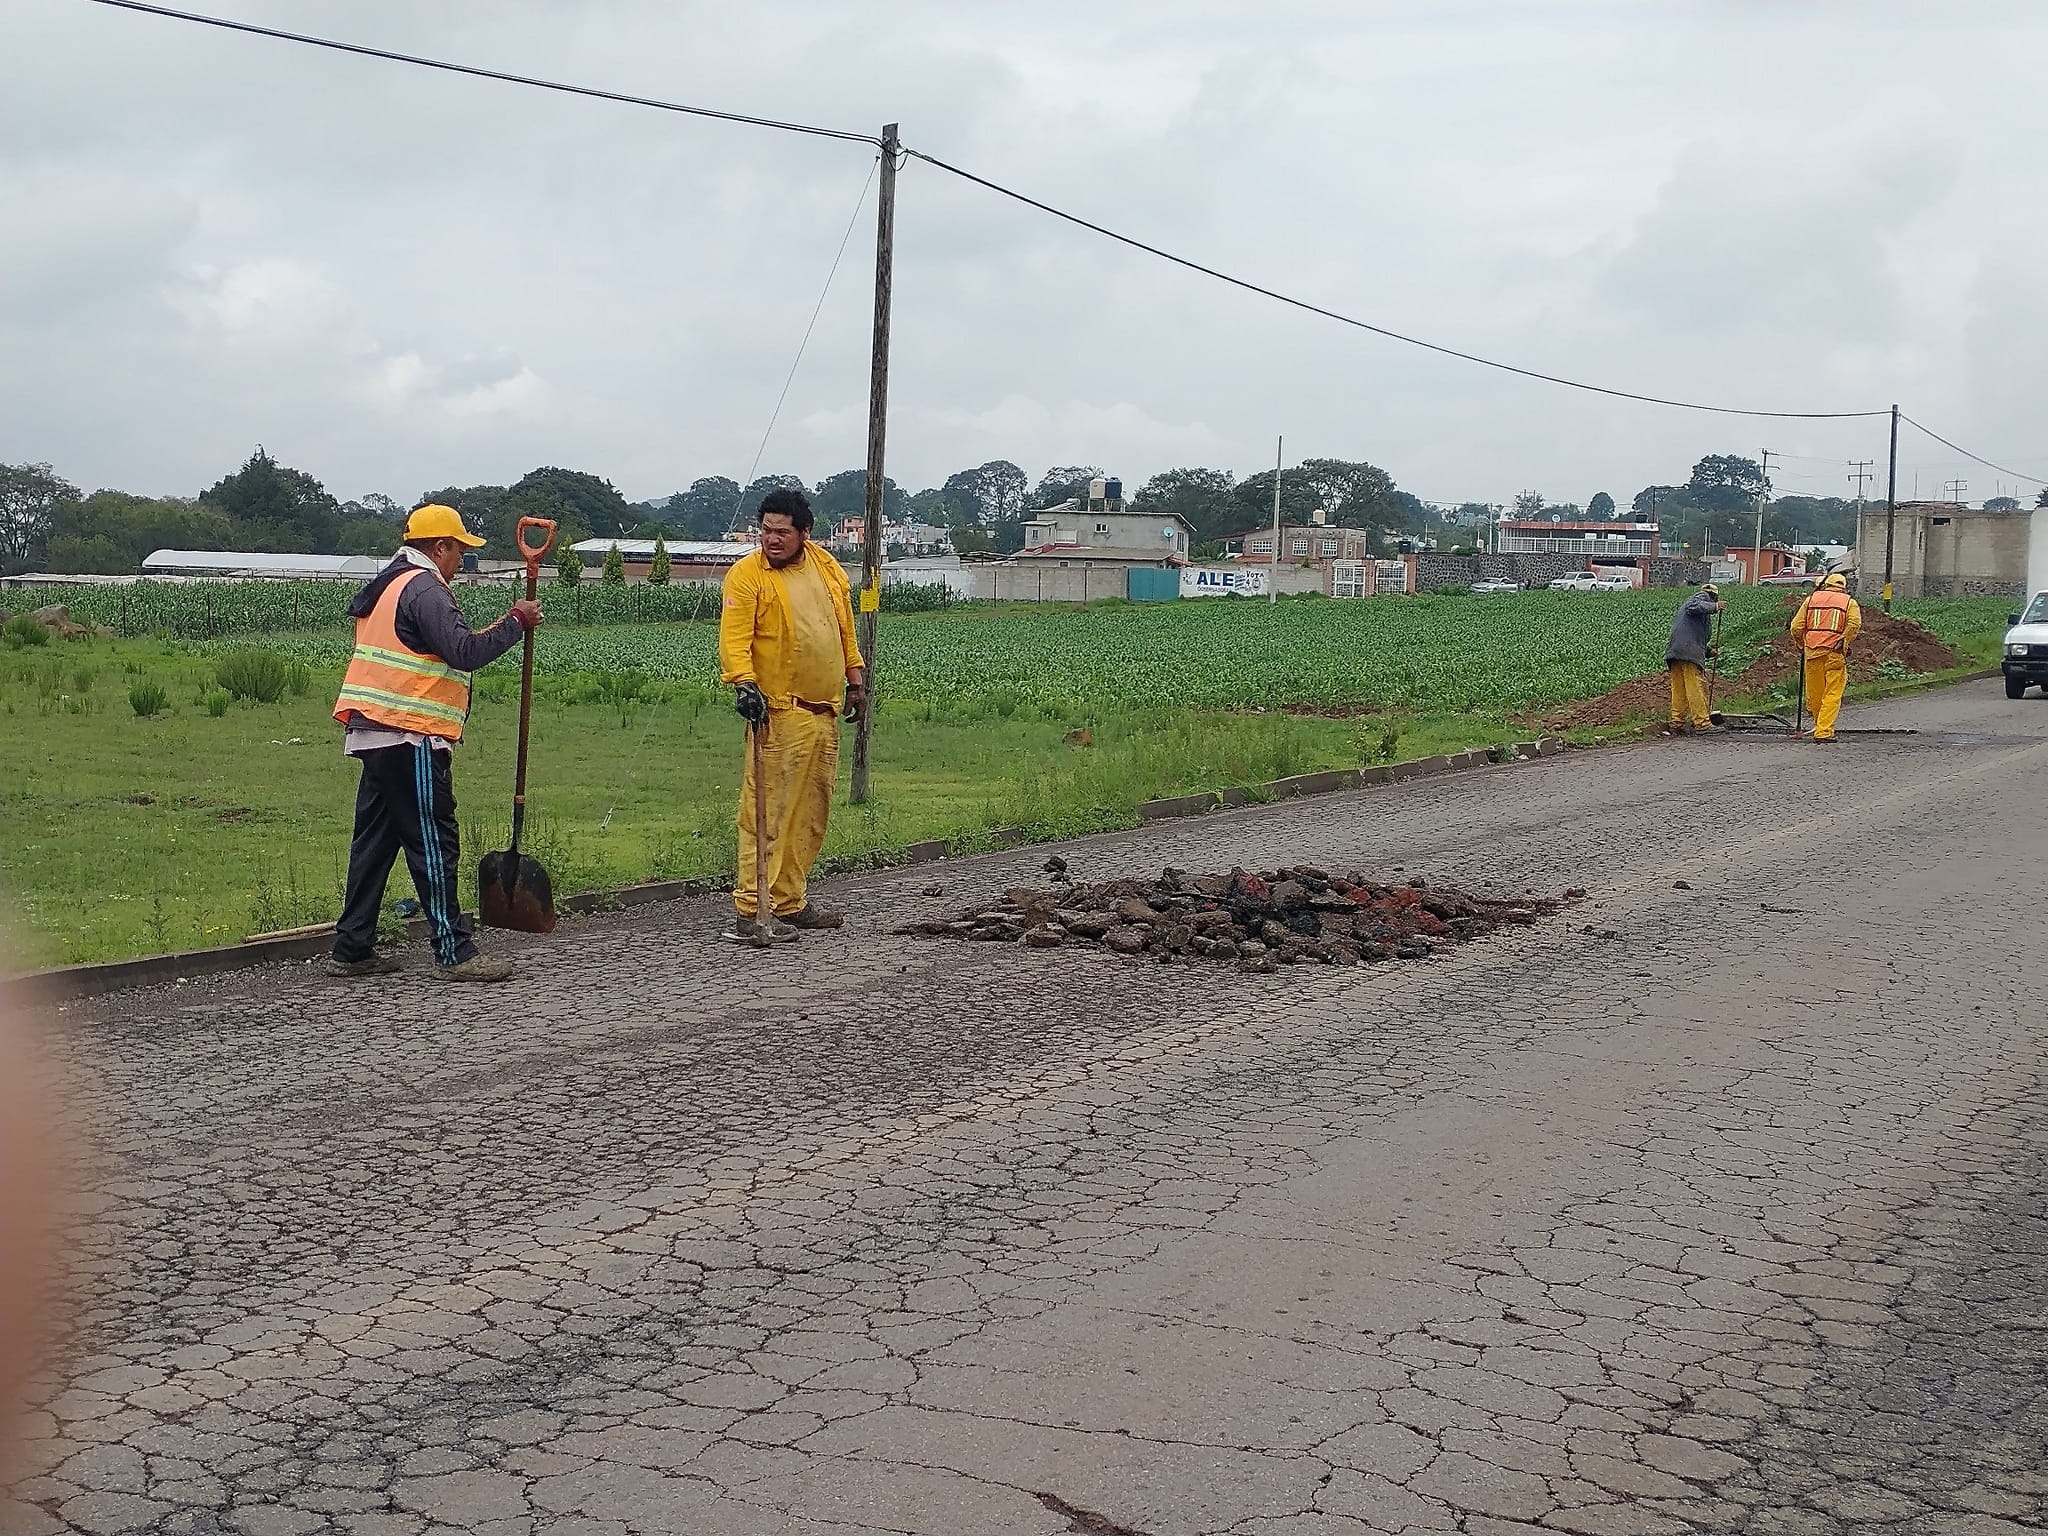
(243, 564)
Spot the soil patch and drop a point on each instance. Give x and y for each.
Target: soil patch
(1883, 638)
(1258, 922)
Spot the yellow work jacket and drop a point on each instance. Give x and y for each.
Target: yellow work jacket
(396, 687)
(1828, 620)
(757, 631)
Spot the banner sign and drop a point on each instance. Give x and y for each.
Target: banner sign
(1223, 581)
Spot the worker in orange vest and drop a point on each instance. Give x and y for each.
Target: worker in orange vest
(403, 703)
(1826, 624)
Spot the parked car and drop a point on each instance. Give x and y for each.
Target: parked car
(1496, 585)
(1574, 581)
(1789, 579)
(1612, 582)
(2025, 655)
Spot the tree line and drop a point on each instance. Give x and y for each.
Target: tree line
(47, 523)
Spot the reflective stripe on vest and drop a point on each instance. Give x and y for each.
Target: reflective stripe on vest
(1827, 615)
(396, 687)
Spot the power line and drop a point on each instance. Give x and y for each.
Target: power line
(2032, 479)
(485, 74)
(1377, 330)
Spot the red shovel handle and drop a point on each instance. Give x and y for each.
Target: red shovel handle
(533, 552)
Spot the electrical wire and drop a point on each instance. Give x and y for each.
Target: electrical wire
(485, 74)
(1978, 458)
(1377, 330)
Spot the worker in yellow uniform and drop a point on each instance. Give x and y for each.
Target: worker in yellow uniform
(1826, 625)
(786, 645)
(1690, 649)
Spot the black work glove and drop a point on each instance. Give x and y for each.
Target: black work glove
(751, 703)
(856, 700)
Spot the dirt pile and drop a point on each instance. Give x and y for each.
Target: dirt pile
(1297, 916)
(1882, 639)
(57, 619)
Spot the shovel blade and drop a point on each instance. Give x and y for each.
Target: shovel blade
(513, 891)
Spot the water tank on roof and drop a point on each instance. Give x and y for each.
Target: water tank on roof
(1097, 488)
(1113, 490)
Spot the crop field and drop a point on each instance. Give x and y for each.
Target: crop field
(223, 808)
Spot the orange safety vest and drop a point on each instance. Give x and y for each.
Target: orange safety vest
(396, 687)
(1827, 615)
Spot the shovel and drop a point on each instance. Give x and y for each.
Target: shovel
(763, 912)
(513, 891)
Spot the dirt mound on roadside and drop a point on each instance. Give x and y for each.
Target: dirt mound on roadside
(1882, 638)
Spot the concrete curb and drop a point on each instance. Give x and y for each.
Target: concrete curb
(71, 982)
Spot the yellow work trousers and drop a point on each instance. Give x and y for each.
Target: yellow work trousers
(1827, 678)
(799, 762)
(1688, 693)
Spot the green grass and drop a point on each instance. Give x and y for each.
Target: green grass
(124, 835)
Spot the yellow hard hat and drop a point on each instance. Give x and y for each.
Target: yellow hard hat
(1835, 581)
(434, 521)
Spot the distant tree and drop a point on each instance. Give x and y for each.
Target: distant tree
(985, 496)
(1601, 507)
(30, 495)
(846, 495)
(568, 565)
(1811, 519)
(1650, 499)
(1069, 483)
(110, 532)
(2042, 499)
(1528, 504)
(2002, 504)
(580, 505)
(709, 509)
(1202, 496)
(657, 568)
(1564, 512)
(1354, 494)
(1252, 500)
(1722, 483)
(614, 568)
(274, 507)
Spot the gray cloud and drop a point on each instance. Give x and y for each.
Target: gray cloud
(398, 280)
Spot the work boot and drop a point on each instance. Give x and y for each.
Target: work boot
(808, 916)
(745, 930)
(372, 964)
(475, 968)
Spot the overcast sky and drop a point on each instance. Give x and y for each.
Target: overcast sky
(397, 279)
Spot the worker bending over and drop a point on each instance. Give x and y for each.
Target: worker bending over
(1827, 623)
(403, 703)
(786, 644)
(1690, 649)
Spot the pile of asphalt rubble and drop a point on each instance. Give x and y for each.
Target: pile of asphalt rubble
(1297, 916)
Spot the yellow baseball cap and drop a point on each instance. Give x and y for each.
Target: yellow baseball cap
(1834, 581)
(434, 521)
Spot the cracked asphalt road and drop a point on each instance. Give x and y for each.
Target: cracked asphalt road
(1737, 1221)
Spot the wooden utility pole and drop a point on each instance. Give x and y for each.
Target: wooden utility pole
(1891, 508)
(1273, 579)
(1756, 568)
(870, 598)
